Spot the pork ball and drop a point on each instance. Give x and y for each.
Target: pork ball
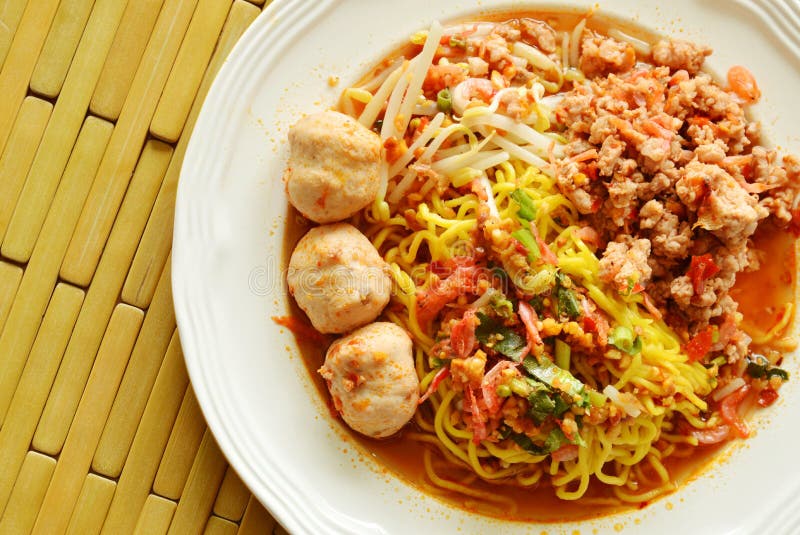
(371, 378)
(338, 278)
(333, 169)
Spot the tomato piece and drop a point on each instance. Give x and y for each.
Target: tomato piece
(767, 397)
(594, 321)
(699, 346)
(701, 269)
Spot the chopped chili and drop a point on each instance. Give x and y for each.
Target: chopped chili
(701, 269)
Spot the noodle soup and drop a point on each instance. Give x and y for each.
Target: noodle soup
(564, 211)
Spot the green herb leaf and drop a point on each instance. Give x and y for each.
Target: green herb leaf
(541, 405)
(497, 336)
(554, 441)
(557, 378)
(525, 442)
(537, 302)
(568, 303)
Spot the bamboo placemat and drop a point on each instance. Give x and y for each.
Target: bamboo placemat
(100, 431)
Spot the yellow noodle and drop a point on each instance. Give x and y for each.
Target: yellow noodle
(461, 489)
(627, 456)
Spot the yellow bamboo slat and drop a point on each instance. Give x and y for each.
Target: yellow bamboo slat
(93, 386)
(156, 516)
(101, 297)
(257, 521)
(10, 15)
(76, 457)
(93, 502)
(59, 47)
(156, 243)
(201, 488)
(140, 468)
(257, 2)
(59, 136)
(176, 463)
(232, 498)
(220, 526)
(37, 377)
(123, 58)
(18, 154)
(159, 323)
(10, 277)
(21, 59)
(41, 273)
(187, 73)
(29, 491)
(123, 150)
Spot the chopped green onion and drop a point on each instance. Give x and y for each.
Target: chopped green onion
(525, 237)
(527, 210)
(563, 353)
(539, 282)
(623, 339)
(718, 361)
(596, 398)
(444, 100)
(759, 367)
(777, 372)
(457, 42)
(519, 387)
(502, 305)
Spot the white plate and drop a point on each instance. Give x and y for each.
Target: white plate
(228, 255)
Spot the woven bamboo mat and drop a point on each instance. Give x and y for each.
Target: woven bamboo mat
(100, 431)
